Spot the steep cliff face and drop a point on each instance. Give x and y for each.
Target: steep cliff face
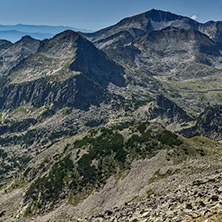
(168, 109)
(208, 124)
(79, 92)
(96, 65)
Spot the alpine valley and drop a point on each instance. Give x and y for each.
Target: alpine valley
(123, 124)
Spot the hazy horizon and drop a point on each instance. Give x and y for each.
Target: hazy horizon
(98, 14)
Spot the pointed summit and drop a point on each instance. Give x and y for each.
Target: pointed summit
(28, 41)
(11, 54)
(27, 38)
(68, 70)
(158, 15)
(61, 45)
(69, 53)
(66, 33)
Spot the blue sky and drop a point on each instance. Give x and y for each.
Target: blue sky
(96, 14)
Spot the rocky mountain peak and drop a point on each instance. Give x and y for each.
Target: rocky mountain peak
(28, 42)
(27, 38)
(68, 52)
(158, 15)
(11, 54)
(152, 15)
(131, 28)
(66, 36)
(4, 44)
(61, 45)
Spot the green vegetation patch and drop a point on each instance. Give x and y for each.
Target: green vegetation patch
(94, 123)
(10, 164)
(168, 138)
(107, 151)
(49, 187)
(105, 154)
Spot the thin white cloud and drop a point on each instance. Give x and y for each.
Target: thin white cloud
(194, 17)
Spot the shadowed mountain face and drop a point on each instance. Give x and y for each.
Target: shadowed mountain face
(208, 124)
(4, 44)
(68, 53)
(79, 92)
(96, 65)
(66, 70)
(168, 109)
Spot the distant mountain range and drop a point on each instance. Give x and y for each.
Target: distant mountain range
(129, 29)
(14, 33)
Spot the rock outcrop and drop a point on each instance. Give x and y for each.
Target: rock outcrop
(208, 124)
(166, 108)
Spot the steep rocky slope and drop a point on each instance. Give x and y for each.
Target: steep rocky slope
(142, 171)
